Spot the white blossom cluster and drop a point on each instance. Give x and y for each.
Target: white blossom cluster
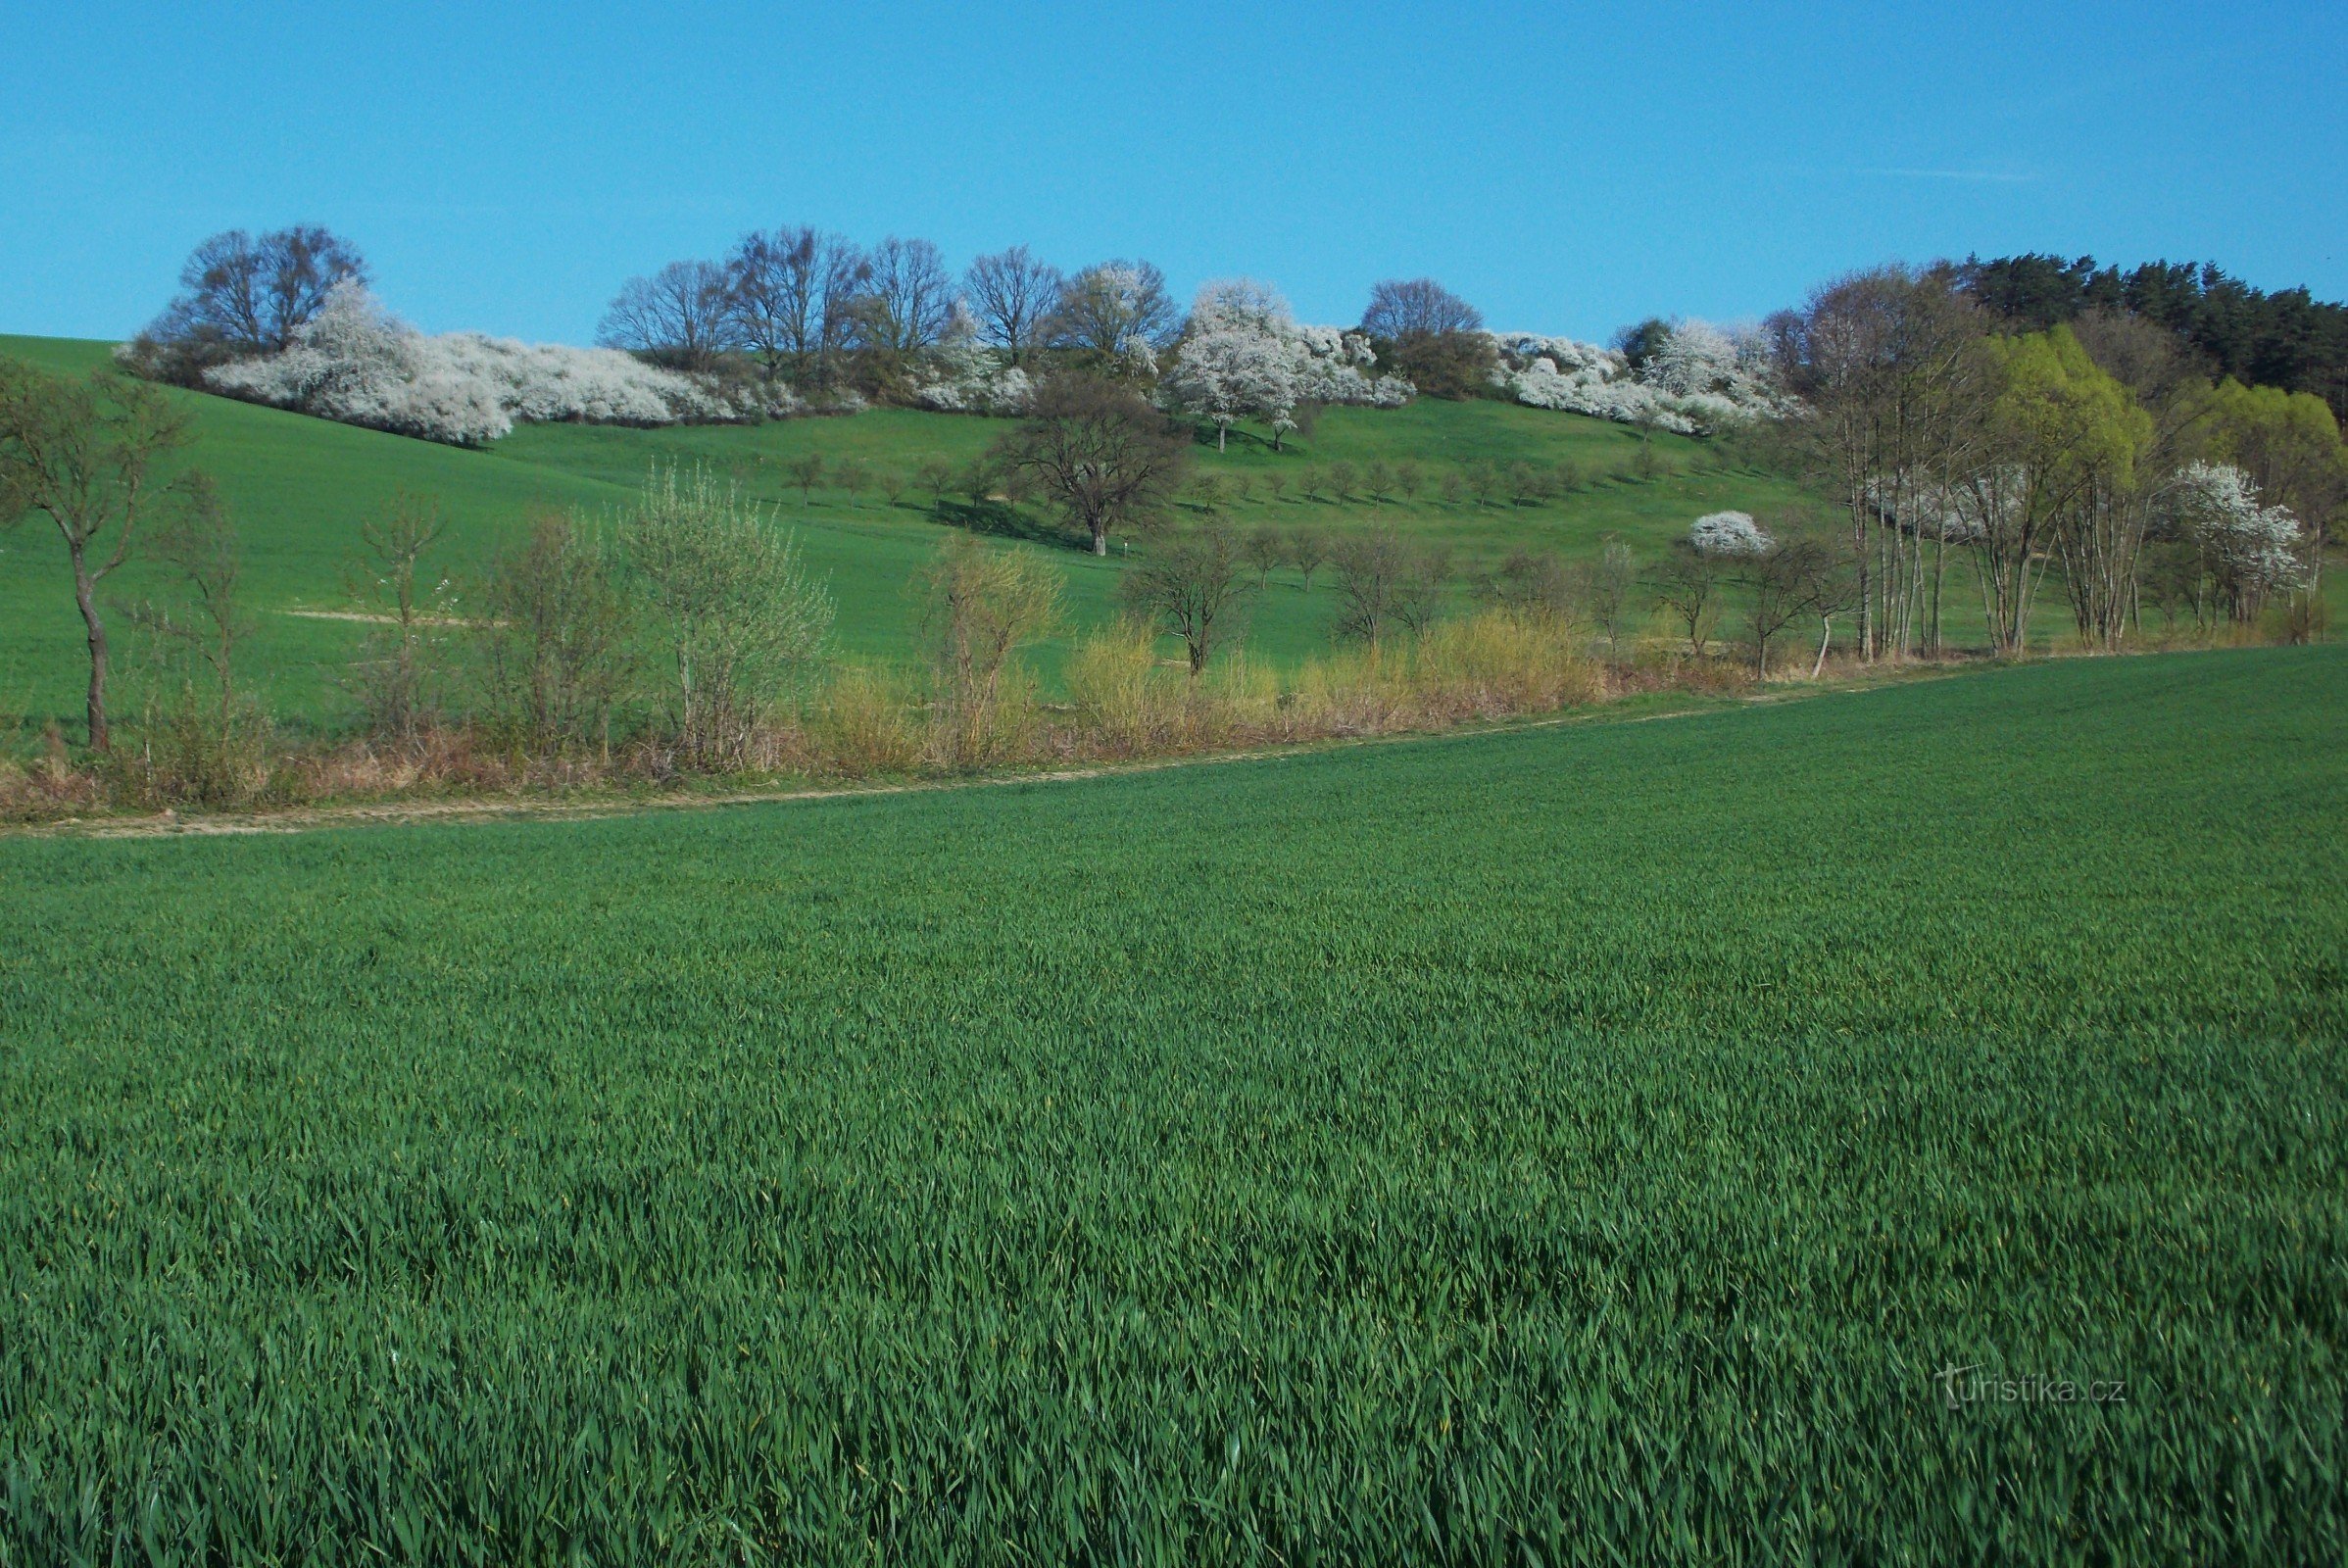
(2254, 544)
(965, 376)
(1701, 379)
(1728, 534)
(357, 364)
(1242, 355)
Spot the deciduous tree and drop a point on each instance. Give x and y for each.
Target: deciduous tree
(82, 454)
(1105, 455)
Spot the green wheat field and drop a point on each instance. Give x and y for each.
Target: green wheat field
(1595, 1143)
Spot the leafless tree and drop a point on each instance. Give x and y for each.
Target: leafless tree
(83, 453)
(1385, 585)
(1194, 584)
(394, 674)
(909, 299)
(1102, 454)
(1534, 583)
(854, 476)
(1891, 383)
(805, 473)
(243, 296)
(1110, 305)
(1688, 584)
(791, 292)
(1431, 336)
(1011, 294)
(684, 315)
(1605, 587)
(201, 739)
(1307, 552)
(1264, 548)
(1420, 307)
(1797, 577)
(937, 477)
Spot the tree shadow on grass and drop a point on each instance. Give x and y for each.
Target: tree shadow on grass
(1003, 521)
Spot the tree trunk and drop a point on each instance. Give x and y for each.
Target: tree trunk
(85, 597)
(1100, 540)
(1826, 638)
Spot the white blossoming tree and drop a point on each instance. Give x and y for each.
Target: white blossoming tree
(1725, 535)
(1238, 358)
(2251, 549)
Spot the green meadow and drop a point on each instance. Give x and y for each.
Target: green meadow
(298, 488)
(1714, 1139)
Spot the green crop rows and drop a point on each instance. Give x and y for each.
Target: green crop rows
(1575, 1144)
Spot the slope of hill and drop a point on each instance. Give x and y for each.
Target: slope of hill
(299, 487)
(1672, 1135)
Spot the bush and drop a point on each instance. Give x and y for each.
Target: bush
(355, 363)
(867, 722)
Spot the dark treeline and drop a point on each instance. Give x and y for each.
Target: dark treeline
(2286, 339)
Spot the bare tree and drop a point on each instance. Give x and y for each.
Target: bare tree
(854, 475)
(1307, 552)
(683, 316)
(1400, 310)
(1192, 585)
(937, 477)
(394, 672)
(199, 742)
(243, 296)
(82, 454)
(791, 290)
(1101, 452)
(1483, 476)
(1264, 548)
(1797, 577)
(1605, 587)
(805, 473)
(1891, 383)
(1011, 294)
(1688, 584)
(1533, 583)
(1108, 308)
(1385, 585)
(909, 299)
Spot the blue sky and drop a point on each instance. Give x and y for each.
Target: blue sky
(1568, 167)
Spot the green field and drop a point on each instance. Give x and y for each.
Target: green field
(299, 487)
(1585, 1143)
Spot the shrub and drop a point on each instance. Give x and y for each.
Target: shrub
(867, 722)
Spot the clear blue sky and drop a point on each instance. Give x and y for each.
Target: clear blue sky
(1568, 167)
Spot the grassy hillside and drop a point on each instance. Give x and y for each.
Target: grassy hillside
(1485, 1149)
(299, 488)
